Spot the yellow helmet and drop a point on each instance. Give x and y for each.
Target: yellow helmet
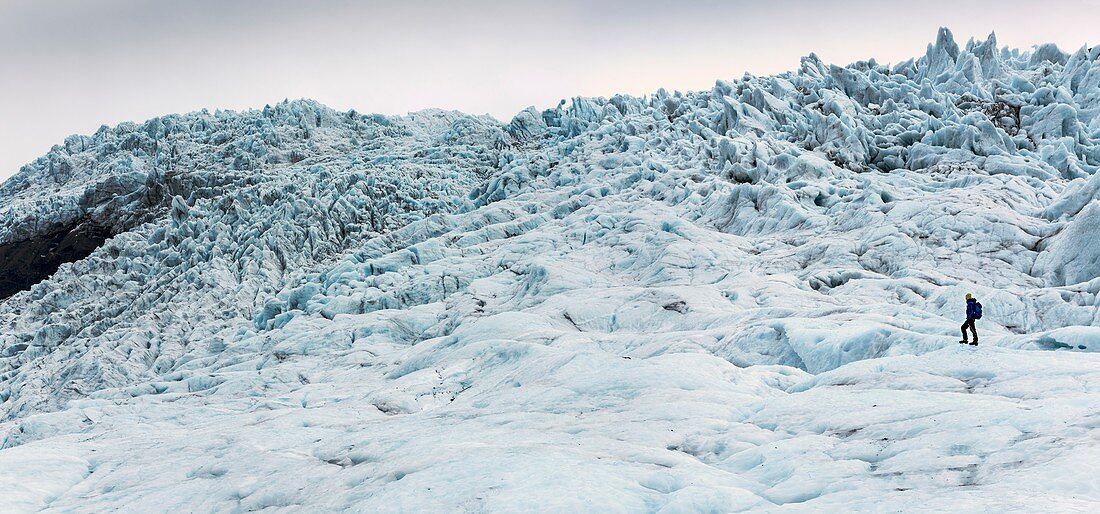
(969, 296)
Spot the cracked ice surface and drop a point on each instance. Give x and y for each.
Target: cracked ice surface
(743, 298)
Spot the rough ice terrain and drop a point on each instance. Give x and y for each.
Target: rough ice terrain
(746, 298)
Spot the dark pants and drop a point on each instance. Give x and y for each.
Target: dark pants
(970, 323)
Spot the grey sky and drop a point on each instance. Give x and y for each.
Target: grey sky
(69, 66)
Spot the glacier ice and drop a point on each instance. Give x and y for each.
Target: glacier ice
(741, 298)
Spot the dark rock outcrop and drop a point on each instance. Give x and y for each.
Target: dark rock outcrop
(28, 262)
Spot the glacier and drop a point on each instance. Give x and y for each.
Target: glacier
(746, 298)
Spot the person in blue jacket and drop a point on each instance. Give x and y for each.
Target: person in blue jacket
(973, 313)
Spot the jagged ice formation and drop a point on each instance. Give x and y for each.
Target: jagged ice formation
(742, 298)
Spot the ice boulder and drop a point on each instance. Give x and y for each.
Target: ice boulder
(1073, 255)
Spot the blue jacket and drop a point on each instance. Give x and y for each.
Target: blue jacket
(970, 308)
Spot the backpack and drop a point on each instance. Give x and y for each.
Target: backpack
(977, 310)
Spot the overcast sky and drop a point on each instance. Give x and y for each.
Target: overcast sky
(69, 66)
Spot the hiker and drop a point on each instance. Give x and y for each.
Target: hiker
(973, 313)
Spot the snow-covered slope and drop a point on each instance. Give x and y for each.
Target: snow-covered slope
(743, 298)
